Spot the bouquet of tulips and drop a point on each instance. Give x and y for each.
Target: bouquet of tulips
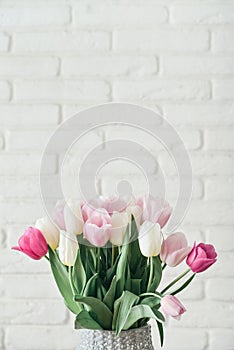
(108, 259)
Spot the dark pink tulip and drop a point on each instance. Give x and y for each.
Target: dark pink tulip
(32, 243)
(201, 257)
(171, 306)
(174, 249)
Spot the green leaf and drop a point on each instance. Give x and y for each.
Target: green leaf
(183, 285)
(151, 301)
(91, 287)
(78, 274)
(138, 312)
(84, 320)
(127, 301)
(62, 280)
(116, 310)
(161, 332)
(110, 295)
(136, 286)
(157, 276)
(102, 313)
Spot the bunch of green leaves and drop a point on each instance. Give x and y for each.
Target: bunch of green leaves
(111, 288)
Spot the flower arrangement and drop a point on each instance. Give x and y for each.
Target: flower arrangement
(108, 259)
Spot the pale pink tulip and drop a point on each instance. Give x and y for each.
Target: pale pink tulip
(154, 210)
(73, 218)
(201, 257)
(97, 229)
(171, 306)
(174, 249)
(58, 214)
(32, 243)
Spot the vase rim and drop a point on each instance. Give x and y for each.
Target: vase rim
(113, 332)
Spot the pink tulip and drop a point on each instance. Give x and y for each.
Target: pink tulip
(58, 215)
(110, 204)
(154, 210)
(171, 306)
(97, 229)
(174, 249)
(201, 257)
(32, 243)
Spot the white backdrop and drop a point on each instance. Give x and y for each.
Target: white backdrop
(57, 57)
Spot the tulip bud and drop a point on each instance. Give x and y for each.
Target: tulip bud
(171, 306)
(119, 222)
(68, 247)
(201, 257)
(97, 228)
(73, 218)
(150, 239)
(32, 243)
(49, 231)
(174, 249)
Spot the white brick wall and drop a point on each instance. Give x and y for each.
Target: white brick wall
(59, 56)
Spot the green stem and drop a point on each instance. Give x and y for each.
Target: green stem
(151, 272)
(71, 284)
(47, 258)
(112, 255)
(164, 266)
(175, 281)
(98, 262)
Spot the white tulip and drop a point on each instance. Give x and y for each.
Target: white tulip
(119, 222)
(73, 218)
(49, 231)
(68, 247)
(150, 239)
(136, 211)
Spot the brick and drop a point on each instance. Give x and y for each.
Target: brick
(225, 286)
(223, 268)
(36, 140)
(1, 338)
(221, 339)
(34, 16)
(202, 114)
(191, 339)
(203, 163)
(4, 90)
(203, 14)
(221, 237)
(222, 40)
(27, 338)
(4, 42)
(136, 66)
(23, 186)
(210, 213)
(11, 164)
(28, 66)
(221, 139)
(60, 41)
(223, 89)
(220, 188)
(199, 315)
(31, 287)
(25, 210)
(161, 39)
(191, 65)
(61, 90)
(12, 262)
(32, 312)
(2, 142)
(22, 116)
(122, 15)
(161, 89)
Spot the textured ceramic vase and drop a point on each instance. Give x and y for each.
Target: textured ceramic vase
(134, 339)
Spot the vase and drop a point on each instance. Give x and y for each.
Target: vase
(133, 339)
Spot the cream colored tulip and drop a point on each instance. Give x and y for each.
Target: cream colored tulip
(150, 239)
(49, 231)
(136, 211)
(68, 247)
(119, 222)
(73, 218)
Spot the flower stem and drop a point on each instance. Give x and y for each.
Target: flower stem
(98, 262)
(164, 266)
(112, 255)
(175, 281)
(47, 258)
(151, 272)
